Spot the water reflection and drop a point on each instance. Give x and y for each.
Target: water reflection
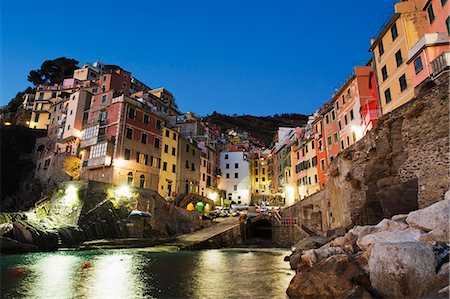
(147, 274)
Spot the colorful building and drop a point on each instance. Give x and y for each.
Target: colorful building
(169, 159)
(390, 50)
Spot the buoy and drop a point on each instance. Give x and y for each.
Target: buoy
(86, 265)
(18, 272)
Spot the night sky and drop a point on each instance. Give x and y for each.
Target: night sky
(244, 57)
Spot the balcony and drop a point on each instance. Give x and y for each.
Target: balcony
(428, 39)
(441, 63)
(97, 162)
(371, 115)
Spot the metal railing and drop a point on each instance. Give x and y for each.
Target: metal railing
(441, 63)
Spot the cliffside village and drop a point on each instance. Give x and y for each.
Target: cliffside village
(105, 125)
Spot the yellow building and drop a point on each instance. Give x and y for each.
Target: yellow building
(260, 174)
(390, 49)
(41, 114)
(168, 171)
(308, 182)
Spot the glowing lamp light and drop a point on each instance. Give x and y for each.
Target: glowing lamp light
(71, 196)
(119, 162)
(27, 122)
(290, 195)
(123, 191)
(7, 123)
(213, 196)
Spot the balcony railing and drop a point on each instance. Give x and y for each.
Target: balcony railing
(441, 63)
(371, 115)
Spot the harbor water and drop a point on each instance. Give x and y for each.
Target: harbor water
(157, 272)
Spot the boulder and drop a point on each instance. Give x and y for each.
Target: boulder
(408, 235)
(402, 269)
(347, 242)
(309, 243)
(440, 280)
(295, 259)
(436, 235)
(431, 218)
(21, 233)
(312, 256)
(334, 277)
(400, 218)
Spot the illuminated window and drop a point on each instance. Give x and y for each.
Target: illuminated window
(98, 151)
(130, 178)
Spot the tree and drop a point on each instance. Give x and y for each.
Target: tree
(53, 71)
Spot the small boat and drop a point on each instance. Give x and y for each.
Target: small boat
(140, 213)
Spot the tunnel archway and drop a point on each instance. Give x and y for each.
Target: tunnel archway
(261, 229)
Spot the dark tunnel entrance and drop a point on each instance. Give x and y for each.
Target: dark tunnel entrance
(261, 229)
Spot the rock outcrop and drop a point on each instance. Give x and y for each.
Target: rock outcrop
(393, 259)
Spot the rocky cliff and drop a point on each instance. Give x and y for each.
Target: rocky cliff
(402, 164)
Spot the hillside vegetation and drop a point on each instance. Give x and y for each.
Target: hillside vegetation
(262, 128)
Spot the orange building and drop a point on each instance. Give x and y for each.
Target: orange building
(321, 148)
(427, 56)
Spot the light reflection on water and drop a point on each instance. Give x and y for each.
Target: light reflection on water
(135, 273)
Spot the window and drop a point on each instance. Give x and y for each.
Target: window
(228, 175)
(227, 166)
(187, 148)
(320, 144)
(193, 152)
(98, 150)
(313, 144)
(352, 116)
(144, 138)
(380, 48)
(447, 21)
(402, 81)
(192, 166)
(398, 58)
(104, 78)
(187, 164)
(327, 119)
(387, 95)
(165, 166)
(336, 137)
(129, 134)
(68, 127)
(256, 171)
(345, 119)
(130, 178)
(236, 165)
(158, 124)
(127, 154)
(166, 148)
(342, 145)
(173, 151)
(142, 181)
(36, 117)
(333, 115)
(348, 141)
(343, 100)
(315, 178)
(167, 133)
(173, 168)
(384, 73)
(263, 179)
(236, 175)
(235, 187)
(263, 171)
(256, 180)
(394, 32)
(322, 164)
(53, 94)
(157, 142)
(354, 136)
(131, 113)
(329, 140)
(146, 119)
(174, 136)
(337, 105)
(443, 2)
(340, 125)
(431, 13)
(89, 132)
(103, 98)
(226, 156)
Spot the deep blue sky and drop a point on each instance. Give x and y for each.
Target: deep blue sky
(244, 57)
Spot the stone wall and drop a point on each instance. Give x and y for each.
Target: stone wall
(401, 165)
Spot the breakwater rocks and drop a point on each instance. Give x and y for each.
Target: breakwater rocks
(86, 210)
(406, 256)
